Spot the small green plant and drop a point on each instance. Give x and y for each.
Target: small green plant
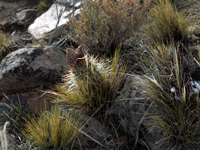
(52, 129)
(26, 146)
(41, 5)
(91, 85)
(167, 24)
(104, 24)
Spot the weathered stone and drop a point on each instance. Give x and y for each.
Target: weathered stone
(26, 14)
(48, 21)
(93, 130)
(28, 68)
(132, 110)
(34, 101)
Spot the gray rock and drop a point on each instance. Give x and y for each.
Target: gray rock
(48, 20)
(26, 14)
(28, 68)
(94, 131)
(131, 110)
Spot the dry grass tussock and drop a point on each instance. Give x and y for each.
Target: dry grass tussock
(52, 129)
(166, 25)
(170, 87)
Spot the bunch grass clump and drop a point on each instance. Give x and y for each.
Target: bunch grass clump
(92, 85)
(104, 24)
(52, 129)
(42, 4)
(4, 42)
(167, 25)
(170, 87)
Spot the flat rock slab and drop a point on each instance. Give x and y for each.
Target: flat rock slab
(34, 101)
(28, 68)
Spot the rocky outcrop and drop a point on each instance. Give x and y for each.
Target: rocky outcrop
(48, 21)
(28, 68)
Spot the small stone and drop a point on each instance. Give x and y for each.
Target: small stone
(26, 14)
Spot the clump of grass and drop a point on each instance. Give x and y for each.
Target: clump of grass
(169, 86)
(167, 24)
(41, 5)
(192, 10)
(52, 129)
(104, 24)
(91, 85)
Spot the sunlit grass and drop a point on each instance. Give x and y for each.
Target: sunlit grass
(93, 84)
(52, 129)
(167, 25)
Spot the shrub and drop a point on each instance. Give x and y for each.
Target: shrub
(167, 24)
(104, 24)
(170, 85)
(52, 129)
(92, 84)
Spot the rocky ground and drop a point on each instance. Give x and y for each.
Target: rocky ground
(8, 16)
(41, 52)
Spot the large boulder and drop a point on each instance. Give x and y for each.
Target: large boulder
(28, 68)
(48, 20)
